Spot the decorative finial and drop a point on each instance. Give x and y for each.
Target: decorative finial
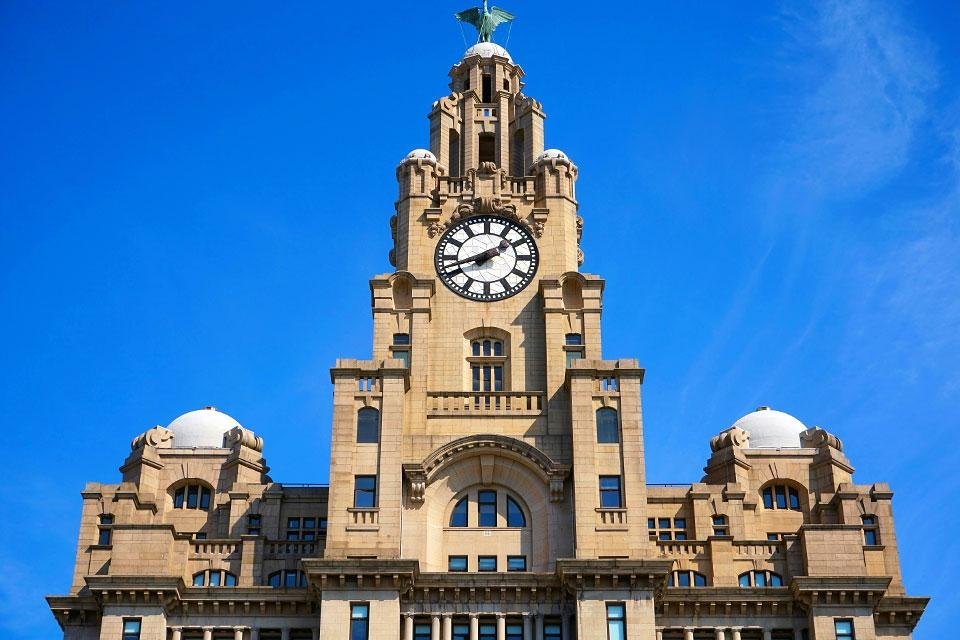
(484, 20)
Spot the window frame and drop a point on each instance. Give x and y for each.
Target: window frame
(461, 508)
(608, 425)
(615, 618)
(511, 559)
(781, 496)
(482, 558)
(195, 495)
(871, 530)
(364, 628)
(105, 529)
(512, 505)
(450, 561)
(482, 502)
(368, 418)
(359, 491)
(843, 635)
(131, 634)
(618, 491)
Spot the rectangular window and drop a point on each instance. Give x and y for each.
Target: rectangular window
(421, 631)
(488, 631)
(308, 528)
(794, 499)
(131, 629)
(456, 563)
(551, 630)
(486, 150)
(404, 355)
(360, 621)
(487, 508)
(193, 495)
(254, 521)
(514, 630)
(869, 537)
(516, 563)
(616, 621)
(365, 492)
(572, 355)
(401, 339)
(610, 492)
(461, 631)
(486, 563)
(844, 629)
(486, 88)
(768, 498)
(104, 537)
(781, 493)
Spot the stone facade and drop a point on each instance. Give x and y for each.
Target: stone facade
(487, 467)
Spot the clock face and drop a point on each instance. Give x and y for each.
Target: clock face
(486, 258)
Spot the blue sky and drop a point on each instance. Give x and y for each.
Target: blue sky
(193, 198)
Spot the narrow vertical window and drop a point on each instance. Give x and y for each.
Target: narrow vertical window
(616, 621)
(871, 532)
(254, 521)
(400, 348)
(458, 517)
(610, 497)
(106, 531)
(720, 525)
(768, 498)
(453, 153)
(365, 492)
(131, 629)
(421, 631)
(515, 517)
(844, 629)
(487, 508)
(486, 89)
(360, 621)
(608, 426)
(368, 425)
(486, 149)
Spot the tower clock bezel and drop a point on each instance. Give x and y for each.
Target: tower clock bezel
(441, 258)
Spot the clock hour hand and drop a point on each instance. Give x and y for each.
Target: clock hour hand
(480, 257)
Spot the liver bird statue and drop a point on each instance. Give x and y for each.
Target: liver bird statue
(485, 20)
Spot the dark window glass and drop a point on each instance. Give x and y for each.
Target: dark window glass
(105, 533)
(274, 579)
(200, 535)
(664, 523)
(199, 579)
(475, 348)
(616, 622)
(794, 499)
(651, 523)
(683, 578)
(759, 579)
(365, 492)
(775, 580)
(514, 631)
(498, 378)
(552, 631)
(253, 524)
(768, 498)
(456, 563)
(781, 493)
(869, 537)
(486, 88)
(498, 348)
(461, 631)
(516, 563)
(680, 535)
(401, 339)
(404, 356)
(664, 535)
(368, 425)
(487, 147)
(744, 580)
(178, 498)
(573, 354)
(772, 537)
(421, 631)
(608, 427)
(204, 498)
(679, 523)
(293, 523)
(488, 631)
(610, 492)
(290, 579)
(515, 517)
(131, 629)
(573, 339)
(193, 495)
(214, 579)
(486, 563)
(487, 508)
(699, 580)
(458, 517)
(229, 580)
(359, 621)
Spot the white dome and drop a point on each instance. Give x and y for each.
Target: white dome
(420, 154)
(552, 154)
(201, 428)
(487, 50)
(770, 429)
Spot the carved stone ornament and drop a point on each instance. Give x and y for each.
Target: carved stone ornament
(156, 437)
(579, 256)
(392, 257)
(732, 437)
(817, 437)
(244, 437)
(579, 228)
(484, 205)
(417, 480)
(487, 169)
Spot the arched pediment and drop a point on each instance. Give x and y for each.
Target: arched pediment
(550, 472)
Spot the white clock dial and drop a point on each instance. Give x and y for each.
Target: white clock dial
(486, 258)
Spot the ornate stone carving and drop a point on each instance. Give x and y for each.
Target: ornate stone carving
(579, 228)
(393, 227)
(392, 257)
(732, 437)
(417, 479)
(487, 169)
(156, 437)
(243, 437)
(484, 205)
(817, 437)
(579, 256)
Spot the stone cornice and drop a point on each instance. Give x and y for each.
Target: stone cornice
(839, 591)
(361, 573)
(70, 610)
(902, 611)
(583, 574)
(726, 601)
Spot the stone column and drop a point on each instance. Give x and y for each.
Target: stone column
(208, 633)
(285, 633)
(527, 626)
(435, 627)
(316, 633)
(659, 634)
(721, 634)
(538, 631)
(501, 627)
(408, 626)
(688, 633)
(767, 634)
(177, 632)
(566, 621)
(255, 633)
(238, 633)
(474, 627)
(447, 626)
(735, 633)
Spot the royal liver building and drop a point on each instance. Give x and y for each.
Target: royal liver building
(487, 478)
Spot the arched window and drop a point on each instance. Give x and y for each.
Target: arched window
(487, 359)
(760, 579)
(368, 425)
(288, 578)
(458, 517)
(608, 427)
(515, 517)
(871, 530)
(105, 532)
(686, 579)
(192, 496)
(781, 497)
(214, 578)
(487, 508)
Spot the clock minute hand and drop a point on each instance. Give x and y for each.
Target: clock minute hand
(480, 257)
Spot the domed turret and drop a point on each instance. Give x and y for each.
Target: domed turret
(487, 50)
(201, 428)
(420, 154)
(770, 429)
